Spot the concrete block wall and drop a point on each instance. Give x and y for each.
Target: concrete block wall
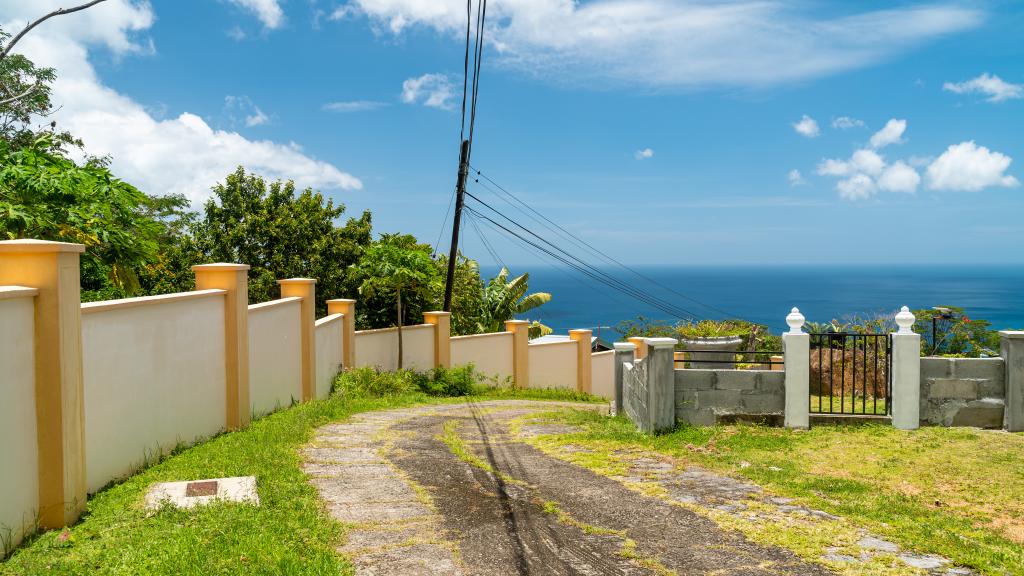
(708, 397)
(963, 392)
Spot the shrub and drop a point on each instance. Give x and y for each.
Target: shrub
(372, 382)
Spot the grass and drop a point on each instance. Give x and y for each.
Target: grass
(289, 533)
(954, 492)
(848, 405)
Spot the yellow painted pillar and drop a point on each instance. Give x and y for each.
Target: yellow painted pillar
(520, 330)
(305, 288)
(582, 338)
(52, 268)
(442, 322)
(641, 346)
(234, 279)
(346, 308)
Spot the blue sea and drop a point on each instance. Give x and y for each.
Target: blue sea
(765, 294)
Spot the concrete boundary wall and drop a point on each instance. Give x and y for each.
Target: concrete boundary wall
(275, 355)
(602, 374)
(153, 372)
(554, 365)
(19, 455)
(491, 355)
(330, 350)
(707, 397)
(963, 392)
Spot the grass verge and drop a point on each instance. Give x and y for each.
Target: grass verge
(289, 533)
(954, 492)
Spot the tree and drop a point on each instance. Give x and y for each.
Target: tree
(280, 234)
(503, 299)
(467, 294)
(389, 267)
(47, 196)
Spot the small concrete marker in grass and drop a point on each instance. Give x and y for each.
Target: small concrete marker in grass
(189, 494)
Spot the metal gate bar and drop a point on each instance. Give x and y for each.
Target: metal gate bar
(864, 356)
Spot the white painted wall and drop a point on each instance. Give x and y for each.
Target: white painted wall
(154, 377)
(418, 347)
(490, 354)
(19, 474)
(553, 365)
(275, 354)
(329, 336)
(377, 348)
(602, 374)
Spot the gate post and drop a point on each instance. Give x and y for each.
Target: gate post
(661, 378)
(624, 352)
(797, 346)
(906, 373)
(1012, 351)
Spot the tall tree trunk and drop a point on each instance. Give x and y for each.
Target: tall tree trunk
(399, 328)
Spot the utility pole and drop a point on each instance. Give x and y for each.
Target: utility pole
(460, 196)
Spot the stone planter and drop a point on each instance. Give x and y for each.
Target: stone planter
(703, 352)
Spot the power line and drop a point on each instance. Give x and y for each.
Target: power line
(680, 312)
(586, 269)
(444, 223)
(487, 245)
(583, 244)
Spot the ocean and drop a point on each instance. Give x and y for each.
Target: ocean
(765, 294)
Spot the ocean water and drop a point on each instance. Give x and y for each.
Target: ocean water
(765, 294)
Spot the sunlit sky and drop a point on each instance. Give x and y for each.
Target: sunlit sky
(663, 132)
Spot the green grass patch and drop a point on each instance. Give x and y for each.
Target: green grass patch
(954, 492)
(848, 405)
(289, 533)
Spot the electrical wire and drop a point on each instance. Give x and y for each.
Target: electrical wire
(558, 229)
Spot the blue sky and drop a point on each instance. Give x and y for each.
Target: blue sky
(361, 100)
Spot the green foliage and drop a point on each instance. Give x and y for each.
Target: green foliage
(18, 75)
(711, 329)
(467, 294)
(369, 382)
(504, 299)
(280, 234)
(44, 195)
(956, 336)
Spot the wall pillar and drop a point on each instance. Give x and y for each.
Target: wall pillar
(52, 268)
(582, 339)
(624, 352)
(442, 322)
(305, 288)
(641, 346)
(520, 330)
(234, 279)
(906, 373)
(797, 346)
(347, 308)
(1012, 351)
(661, 378)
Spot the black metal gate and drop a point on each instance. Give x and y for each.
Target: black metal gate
(851, 374)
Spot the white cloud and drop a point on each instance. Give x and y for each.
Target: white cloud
(795, 178)
(969, 167)
(642, 154)
(807, 126)
(846, 122)
(181, 154)
(866, 173)
(989, 85)
(856, 187)
(685, 45)
(433, 90)
(891, 133)
(250, 113)
(236, 33)
(899, 177)
(867, 162)
(354, 106)
(268, 11)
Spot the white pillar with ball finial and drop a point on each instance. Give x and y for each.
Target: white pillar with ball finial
(906, 373)
(797, 346)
